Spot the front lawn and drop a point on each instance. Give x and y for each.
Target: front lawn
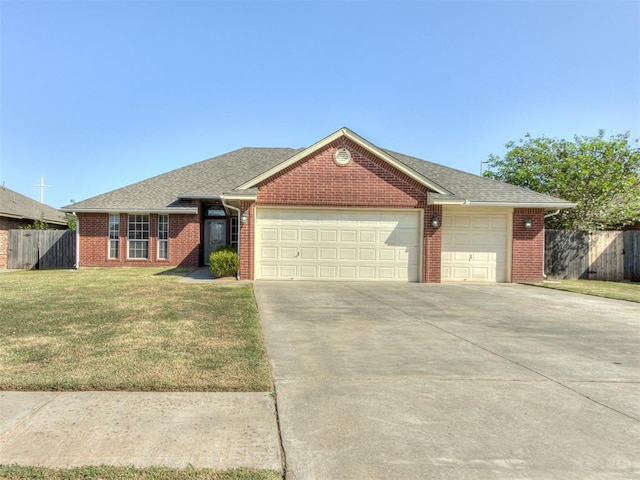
(615, 290)
(136, 329)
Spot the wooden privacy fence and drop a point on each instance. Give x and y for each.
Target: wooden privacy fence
(41, 249)
(612, 256)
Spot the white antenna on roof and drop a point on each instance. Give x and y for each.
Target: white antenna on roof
(41, 186)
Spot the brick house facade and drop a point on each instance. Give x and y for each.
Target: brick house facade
(347, 183)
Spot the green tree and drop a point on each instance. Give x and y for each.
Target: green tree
(602, 176)
(38, 224)
(72, 221)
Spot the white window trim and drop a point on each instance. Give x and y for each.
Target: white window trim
(129, 239)
(163, 240)
(117, 240)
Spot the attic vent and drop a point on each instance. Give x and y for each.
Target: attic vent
(342, 157)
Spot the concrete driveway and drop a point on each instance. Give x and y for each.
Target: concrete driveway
(382, 381)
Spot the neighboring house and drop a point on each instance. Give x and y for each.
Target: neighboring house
(18, 211)
(341, 209)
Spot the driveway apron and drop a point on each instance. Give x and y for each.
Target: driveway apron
(380, 380)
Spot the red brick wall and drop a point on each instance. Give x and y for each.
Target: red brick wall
(432, 245)
(184, 241)
(528, 245)
(365, 182)
(247, 241)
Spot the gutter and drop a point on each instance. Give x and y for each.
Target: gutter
(226, 205)
(77, 264)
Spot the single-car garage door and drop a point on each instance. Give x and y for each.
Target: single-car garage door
(474, 246)
(333, 244)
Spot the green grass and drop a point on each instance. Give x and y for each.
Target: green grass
(615, 290)
(133, 329)
(14, 472)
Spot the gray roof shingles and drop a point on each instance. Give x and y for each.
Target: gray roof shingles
(222, 174)
(16, 205)
(214, 176)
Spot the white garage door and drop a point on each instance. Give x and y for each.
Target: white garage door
(337, 244)
(474, 247)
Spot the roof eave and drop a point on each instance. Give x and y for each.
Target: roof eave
(185, 211)
(240, 196)
(473, 203)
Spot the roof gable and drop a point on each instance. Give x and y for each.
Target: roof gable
(357, 139)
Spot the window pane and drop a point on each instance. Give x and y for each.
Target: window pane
(114, 235)
(138, 236)
(163, 237)
(234, 230)
(216, 212)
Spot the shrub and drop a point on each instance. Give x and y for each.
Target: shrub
(224, 262)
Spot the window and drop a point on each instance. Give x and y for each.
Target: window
(163, 237)
(114, 235)
(216, 211)
(138, 236)
(233, 222)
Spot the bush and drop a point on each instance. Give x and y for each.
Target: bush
(224, 262)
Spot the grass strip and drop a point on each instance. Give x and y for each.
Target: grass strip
(614, 290)
(14, 472)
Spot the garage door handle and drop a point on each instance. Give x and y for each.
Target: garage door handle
(470, 256)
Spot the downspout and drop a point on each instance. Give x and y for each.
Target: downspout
(544, 245)
(77, 265)
(239, 226)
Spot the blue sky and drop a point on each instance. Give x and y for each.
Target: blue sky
(95, 95)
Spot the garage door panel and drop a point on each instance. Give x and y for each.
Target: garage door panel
(337, 244)
(386, 273)
(307, 253)
(288, 235)
(328, 253)
(367, 254)
(366, 273)
(367, 236)
(462, 221)
(387, 255)
(328, 235)
(348, 253)
(287, 253)
(347, 272)
(307, 235)
(288, 271)
(269, 234)
(348, 236)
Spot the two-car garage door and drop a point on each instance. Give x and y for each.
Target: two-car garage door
(335, 244)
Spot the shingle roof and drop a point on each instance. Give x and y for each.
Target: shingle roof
(223, 174)
(16, 205)
(473, 188)
(214, 176)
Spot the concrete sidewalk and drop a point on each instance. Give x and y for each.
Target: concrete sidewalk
(208, 430)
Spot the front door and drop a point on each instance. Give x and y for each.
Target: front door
(215, 235)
